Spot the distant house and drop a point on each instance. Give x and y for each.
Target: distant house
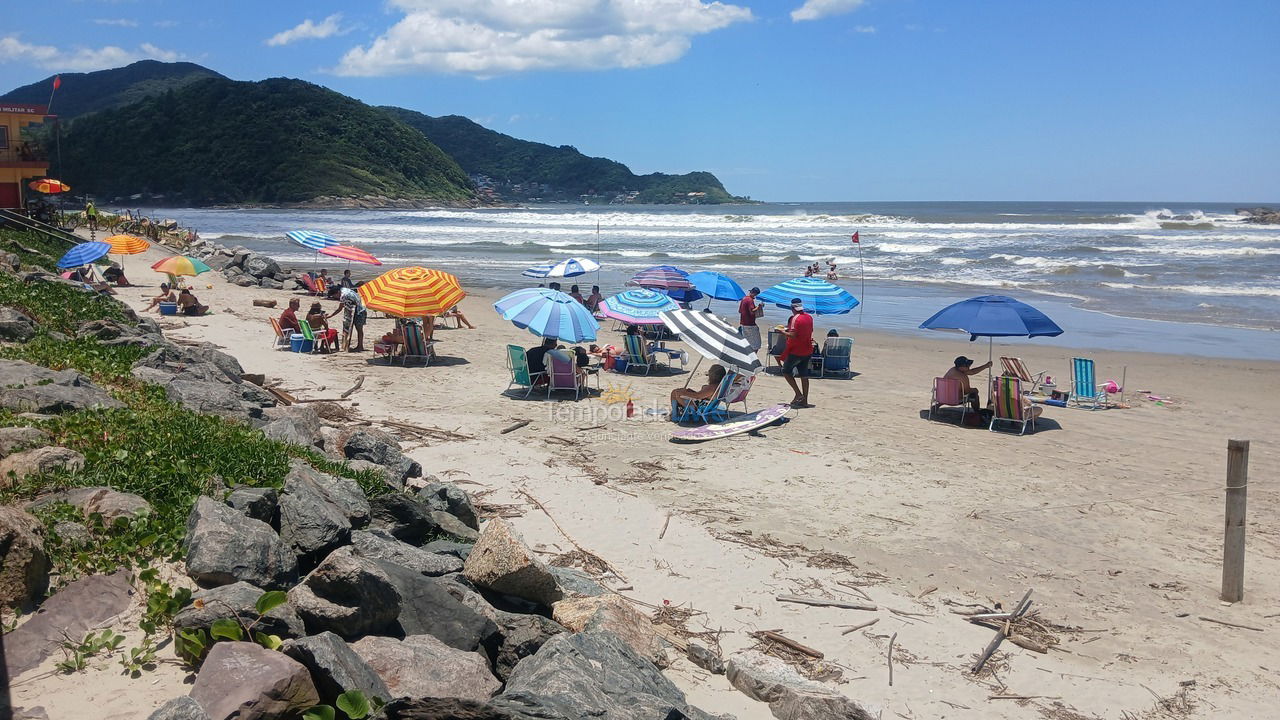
(19, 162)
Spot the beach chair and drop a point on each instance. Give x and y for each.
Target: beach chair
(947, 391)
(1009, 404)
(518, 364)
(281, 339)
(305, 328)
(562, 373)
(1014, 367)
(776, 343)
(713, 409)
(1085, 390)
(321, 288)
(416, 345)
(637, 357)
(738, 392)
(835, 358)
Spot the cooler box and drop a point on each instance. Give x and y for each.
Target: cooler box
(299, 344)
(168, 308)
(620, 364)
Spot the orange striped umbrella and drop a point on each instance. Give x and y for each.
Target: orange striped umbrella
(349, 253)
(412, 292)
(49, 186)
(127, 245)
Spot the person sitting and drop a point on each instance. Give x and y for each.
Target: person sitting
(289, 318)
(536, 358)
(189, 305)
(166, 296)
(555, 286)
(319, 322)
(456, 313)
(960, 372)
(832, 276)
(346, 280)
(573, 293)
(682, 397)
(114, 274)
(583, 359)
(593, 301)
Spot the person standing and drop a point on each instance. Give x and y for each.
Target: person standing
(91, 214)
(798, 352)
(353, 316)
(748, 310)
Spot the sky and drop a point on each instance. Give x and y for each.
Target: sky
(787, 100)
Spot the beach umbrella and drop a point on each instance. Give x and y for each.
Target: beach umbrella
(311, 239)
(717, 286)
(412, 292)
(713, 338)
(350, 254)
(637, 307)
(681, 295)
(819, 296)
(661, 276)
(180, 265)
(548, 313)
(49, 186)
(993, 316)
(572, 267)
(127, 244)
(83, 254)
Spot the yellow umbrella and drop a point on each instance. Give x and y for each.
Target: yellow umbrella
(412, 292)
(49, 186)
(127, 245)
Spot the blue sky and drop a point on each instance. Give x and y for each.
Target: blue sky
(783, 100)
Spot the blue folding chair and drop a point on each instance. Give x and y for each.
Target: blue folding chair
(1085, 390)
(713, 409)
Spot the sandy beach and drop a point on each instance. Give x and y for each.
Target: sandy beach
(1114, 518)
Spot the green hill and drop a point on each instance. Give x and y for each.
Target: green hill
(84, 93)
(520, 169)
(275, 141)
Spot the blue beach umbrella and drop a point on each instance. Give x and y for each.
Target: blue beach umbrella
(311, 239)
(637, 307)
(572, 267)
(84, 253)
(683, 295)
(717, 285)
(993, 316)
(548, 313)
(819, 296)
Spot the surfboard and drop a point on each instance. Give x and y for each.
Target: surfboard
(737, 426)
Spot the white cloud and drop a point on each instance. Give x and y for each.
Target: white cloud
(80, 59)
(308, 30)
(490, 37)
(116, 22)
(815, 9)
(165, 23)
(864, 28)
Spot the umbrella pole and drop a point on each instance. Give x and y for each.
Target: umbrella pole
(694, 371)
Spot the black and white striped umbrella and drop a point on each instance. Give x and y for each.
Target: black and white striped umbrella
(713, 338)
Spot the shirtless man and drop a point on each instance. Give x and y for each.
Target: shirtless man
(960, 372)
(682, 397)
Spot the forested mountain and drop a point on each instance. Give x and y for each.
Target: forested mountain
(83, 93)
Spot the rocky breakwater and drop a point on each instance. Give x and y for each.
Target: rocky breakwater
(241, 266)
(1260, 215)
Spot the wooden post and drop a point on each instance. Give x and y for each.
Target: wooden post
(1233, 539)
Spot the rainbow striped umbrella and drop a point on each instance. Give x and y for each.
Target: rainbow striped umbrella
(350, 254)
(181, 265)
(412, 292)
(819, 296)
(667, 277)
(637, 307)
(127, 244)
(49, 186)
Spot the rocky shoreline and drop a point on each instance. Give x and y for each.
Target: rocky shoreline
(1260, 215)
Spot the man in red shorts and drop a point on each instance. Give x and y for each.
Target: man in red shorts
(796, 355)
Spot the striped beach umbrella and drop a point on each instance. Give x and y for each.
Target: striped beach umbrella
(127, 244)
(713, 338)
(548, 313)
(717, 285)
(412, 292)
(661, 276)
(637, 307)
(350, 254)
(181, 265)
(572, 267)
(49, 186)
(311, 239)
(83, 254)
(819, 296)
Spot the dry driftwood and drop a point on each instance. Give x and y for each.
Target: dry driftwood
(281, 396)
(823, 602)
(1002, 633)
(514, 426)
(1231, 624)
(890, 658)
(354, 388)
(264, 303)
(665, 523)
(784, 640)
(859, 626)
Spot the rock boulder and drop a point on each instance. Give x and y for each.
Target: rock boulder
(257, 503)
(335, 667)
(31, 388)
(245, 681)
(376, 446)
(224, 546)
(182, 707)
(14, 439)
(16, 325)
(238, 600)
(501, 562)
(75, 609)
(347, 595)
(108, 503)
(614, 614)
(24, 567)
(451, 499)
(19, 465)
(422, 666)
(380, 545)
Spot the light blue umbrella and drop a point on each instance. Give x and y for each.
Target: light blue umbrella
(311, 239)
(717, 285)
(84, 253)
(819, 296)
(572, 267)
(682, 295)
(637, 307)
(548, 313)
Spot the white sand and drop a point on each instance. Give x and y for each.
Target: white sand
(1114, 518)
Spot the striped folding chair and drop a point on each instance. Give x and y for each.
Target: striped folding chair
(1014, 367)
(1009, 404)
(415, 344)
(1085, 390)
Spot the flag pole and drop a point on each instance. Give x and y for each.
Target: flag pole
(597, 253)
(862, 272)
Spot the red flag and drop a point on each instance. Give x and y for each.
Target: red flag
(855, 238)
(57, 81)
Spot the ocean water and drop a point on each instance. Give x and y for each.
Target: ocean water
(1203, 274)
